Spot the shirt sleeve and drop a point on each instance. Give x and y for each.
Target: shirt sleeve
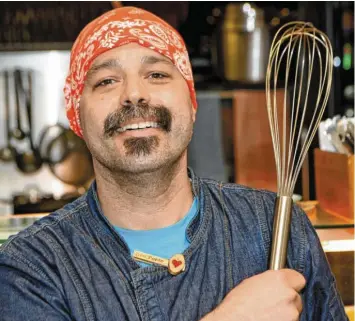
(27, 294)
(321, 299)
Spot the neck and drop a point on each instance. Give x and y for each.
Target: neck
(145, 201)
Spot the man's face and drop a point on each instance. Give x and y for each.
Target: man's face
(136, 113)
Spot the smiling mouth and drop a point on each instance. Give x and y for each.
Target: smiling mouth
(138, 126)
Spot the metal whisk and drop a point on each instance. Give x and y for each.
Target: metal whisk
(299, 49)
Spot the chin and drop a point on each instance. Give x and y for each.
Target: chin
(139, 166)
(162, 156)
(148, 163)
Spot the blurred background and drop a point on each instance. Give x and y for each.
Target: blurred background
(228, 43)
(43, 165)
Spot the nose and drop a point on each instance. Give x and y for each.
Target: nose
(134, 92)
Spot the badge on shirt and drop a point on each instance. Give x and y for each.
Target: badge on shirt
(175, 265)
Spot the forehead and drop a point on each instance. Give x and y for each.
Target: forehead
(131, 52)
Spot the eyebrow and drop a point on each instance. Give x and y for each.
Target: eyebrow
(108, 64)
(115, 64)
(151, 60)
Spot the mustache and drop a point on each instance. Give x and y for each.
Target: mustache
(161, 115)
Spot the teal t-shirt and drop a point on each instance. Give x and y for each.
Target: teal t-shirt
(164, 242)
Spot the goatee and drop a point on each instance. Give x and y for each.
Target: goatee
(140, 146)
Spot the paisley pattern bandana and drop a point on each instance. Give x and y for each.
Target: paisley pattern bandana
(114, 29)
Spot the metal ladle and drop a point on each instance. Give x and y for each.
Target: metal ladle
(29, 161)
(18, 132)
(7, 153)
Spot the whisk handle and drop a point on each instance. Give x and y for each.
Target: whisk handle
(281, 231)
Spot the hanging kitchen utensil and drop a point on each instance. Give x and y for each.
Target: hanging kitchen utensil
(76, 167)
(66, 155)
(60, 150)
(18, 133)
(30, 160)
(7, 153)
(36, 159)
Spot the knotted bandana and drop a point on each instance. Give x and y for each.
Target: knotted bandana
(113, 29)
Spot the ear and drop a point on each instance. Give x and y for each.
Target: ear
(194, 111)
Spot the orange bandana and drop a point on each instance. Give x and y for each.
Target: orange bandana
(113, 29)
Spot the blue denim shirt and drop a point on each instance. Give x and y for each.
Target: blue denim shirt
(72, 265)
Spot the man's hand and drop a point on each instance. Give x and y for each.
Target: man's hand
(269, 296)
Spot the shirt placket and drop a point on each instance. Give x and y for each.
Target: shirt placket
(147, 299)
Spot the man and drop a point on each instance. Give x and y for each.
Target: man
(150, 240)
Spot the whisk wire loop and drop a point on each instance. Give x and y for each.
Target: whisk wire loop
(297, 47)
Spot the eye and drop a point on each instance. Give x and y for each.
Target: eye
(105, 82)
(157, 76)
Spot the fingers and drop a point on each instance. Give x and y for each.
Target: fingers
(294, 279)
(298, 303)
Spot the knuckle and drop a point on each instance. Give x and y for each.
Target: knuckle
(293, 296)
(290, 297)
(299, 303)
